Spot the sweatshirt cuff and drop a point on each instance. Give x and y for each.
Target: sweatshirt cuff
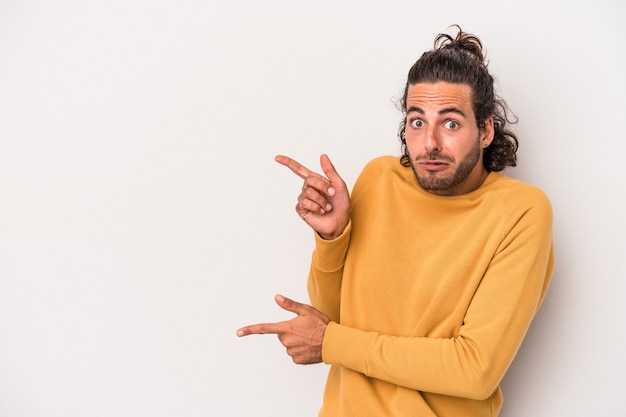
(330, 255)
(347, 347)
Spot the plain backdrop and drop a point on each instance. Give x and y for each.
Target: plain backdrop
(143, 218)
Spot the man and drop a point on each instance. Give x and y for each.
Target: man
(425, 280)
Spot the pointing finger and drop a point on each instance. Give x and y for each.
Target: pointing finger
(297, 168)
(261, 328)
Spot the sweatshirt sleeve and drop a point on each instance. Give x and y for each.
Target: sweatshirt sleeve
(472, 363)
(324, 282)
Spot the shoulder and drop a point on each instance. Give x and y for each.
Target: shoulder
(381, 164)
(376, 175)
(381, 170)
(519, 196)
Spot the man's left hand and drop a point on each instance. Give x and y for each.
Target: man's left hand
(302, 335)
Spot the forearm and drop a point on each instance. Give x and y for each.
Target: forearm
(454, 366)
(324, 281)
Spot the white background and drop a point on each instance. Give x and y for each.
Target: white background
(143, 219)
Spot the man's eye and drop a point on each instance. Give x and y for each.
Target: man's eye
(417, 123)
(451, 124)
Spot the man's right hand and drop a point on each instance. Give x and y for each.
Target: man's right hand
(324, 203)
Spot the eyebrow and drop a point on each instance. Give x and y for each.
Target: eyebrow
(443, 111)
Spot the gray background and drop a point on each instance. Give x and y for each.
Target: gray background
(143, 219)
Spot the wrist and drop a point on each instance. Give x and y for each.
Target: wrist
(328, 237)
(331, 236)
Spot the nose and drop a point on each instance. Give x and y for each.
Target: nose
(432, 141)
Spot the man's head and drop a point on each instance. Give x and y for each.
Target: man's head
(460, 61)
(443, 141)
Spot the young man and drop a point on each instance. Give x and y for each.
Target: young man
(425, 280)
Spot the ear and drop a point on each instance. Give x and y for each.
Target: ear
(487, 133)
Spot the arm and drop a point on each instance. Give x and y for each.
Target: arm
(472, 363)
(324, 204)
(324, 281)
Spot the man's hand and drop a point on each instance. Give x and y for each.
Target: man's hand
(302, 335)
(324, 203)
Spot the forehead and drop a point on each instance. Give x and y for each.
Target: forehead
(439, 95)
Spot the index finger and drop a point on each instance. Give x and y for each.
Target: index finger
(297, 168)
(261, 328)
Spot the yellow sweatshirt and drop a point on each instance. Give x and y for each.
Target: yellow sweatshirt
(429, 296)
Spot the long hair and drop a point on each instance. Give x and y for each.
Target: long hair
(460, 60)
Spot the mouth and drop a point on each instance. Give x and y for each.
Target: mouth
(433, 165)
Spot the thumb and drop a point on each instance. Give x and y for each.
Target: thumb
(330, 171)
(289, 305)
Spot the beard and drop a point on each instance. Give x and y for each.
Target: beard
(435, 181)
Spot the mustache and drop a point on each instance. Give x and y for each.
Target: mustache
(432, 156)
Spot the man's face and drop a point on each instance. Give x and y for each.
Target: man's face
(444, 143)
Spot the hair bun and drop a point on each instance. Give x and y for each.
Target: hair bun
(463, 41)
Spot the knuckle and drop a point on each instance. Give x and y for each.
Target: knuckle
(308, 193)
